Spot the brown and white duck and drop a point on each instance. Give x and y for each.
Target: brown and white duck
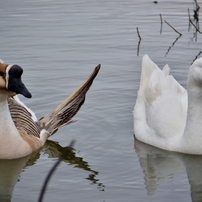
(21, 133)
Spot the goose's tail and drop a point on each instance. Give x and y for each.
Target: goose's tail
(63, 114)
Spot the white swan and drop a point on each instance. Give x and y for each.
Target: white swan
(165, 114)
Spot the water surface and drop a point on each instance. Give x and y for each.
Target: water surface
(58, 43)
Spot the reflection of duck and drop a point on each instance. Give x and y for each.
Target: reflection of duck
(9, 175)
(54, 150)
(165, 114)
(21, 133)
(11, 169)
(160, 166)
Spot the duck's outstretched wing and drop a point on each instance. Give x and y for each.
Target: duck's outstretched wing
(63, 114)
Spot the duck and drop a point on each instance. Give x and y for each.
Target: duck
(166, 115)
(21, 132)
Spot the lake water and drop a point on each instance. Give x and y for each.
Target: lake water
(58, 43)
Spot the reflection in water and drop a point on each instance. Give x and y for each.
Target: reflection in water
(9, 174)
(54, 150)
(10, 170)
(160, 166)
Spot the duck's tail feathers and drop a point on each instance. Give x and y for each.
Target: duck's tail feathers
(148, 66)
(63, 114)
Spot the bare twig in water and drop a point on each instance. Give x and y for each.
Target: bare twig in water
(172, 45)
(189, 14)
(138, 46)
(138, 33)
(175, 39)
(195, 27)
(172, 28)
(196, 56)
(195, 20)
(196, 11)
(69, 149)
(161, 23)
(197, 5)
(189, 26)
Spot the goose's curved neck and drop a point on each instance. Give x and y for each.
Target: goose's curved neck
(12, 144)
(6, 122)
(193, 127)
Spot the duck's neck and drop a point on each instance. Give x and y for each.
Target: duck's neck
(193, 129)
(12, 144)
(8, 129)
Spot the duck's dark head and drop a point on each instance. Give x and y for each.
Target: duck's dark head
(10, 80)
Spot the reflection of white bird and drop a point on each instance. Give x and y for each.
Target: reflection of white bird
(21, 133)
(160, 166)
(165, 114)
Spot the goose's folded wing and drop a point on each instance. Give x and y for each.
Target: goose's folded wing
(23, 118)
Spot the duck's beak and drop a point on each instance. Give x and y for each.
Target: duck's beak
(16, 85)
(14, 82)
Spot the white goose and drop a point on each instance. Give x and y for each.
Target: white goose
(20, 132)
(165, 114)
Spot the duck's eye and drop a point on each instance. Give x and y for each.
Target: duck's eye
(2, 74)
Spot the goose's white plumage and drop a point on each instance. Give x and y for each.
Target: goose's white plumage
(166, 115)
(20, 131)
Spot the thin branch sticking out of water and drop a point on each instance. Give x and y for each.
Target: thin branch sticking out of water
(196, 11)
(175, 39)
(138, 33)
(195, 20)
(195, 27)
(189, 26)
(196, 56)
(172, 45)
(172, 28)
(138, 46)
(161, 23)
(189, 14)
(68, 150)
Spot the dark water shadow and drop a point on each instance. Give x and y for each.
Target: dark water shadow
(10, 170)
(160, 166)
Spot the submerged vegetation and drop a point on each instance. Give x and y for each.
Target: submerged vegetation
(193, 21)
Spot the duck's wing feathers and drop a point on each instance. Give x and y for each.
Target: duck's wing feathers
(161, 104)
(23, 117)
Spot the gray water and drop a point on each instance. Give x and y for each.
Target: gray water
(58, 43)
